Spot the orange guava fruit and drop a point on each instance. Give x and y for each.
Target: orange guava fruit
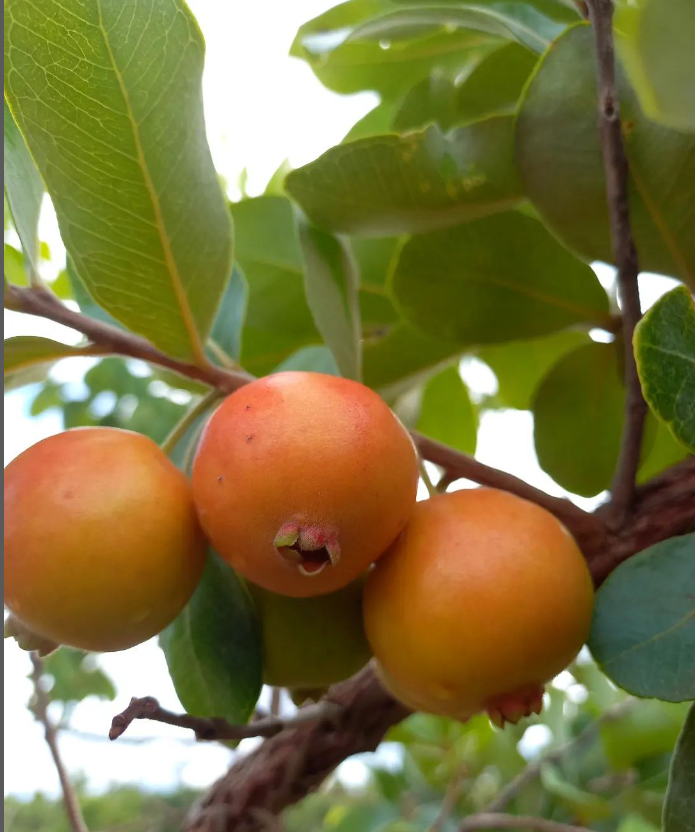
(102, 544)
(301, 480)
(483, 599)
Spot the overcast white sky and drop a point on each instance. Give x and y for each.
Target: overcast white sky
(261, 107)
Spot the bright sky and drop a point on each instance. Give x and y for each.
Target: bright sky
(261, 108)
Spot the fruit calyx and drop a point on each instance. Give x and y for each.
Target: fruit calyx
(310, 548)
(511, 707)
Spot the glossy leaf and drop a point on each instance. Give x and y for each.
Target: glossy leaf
(648, 31)
(117, 132)
(447, 413)
(643, 631)
(331, 282)
(665, 352)
(432, 101)
(213, 648)
(578, 419)
(24, 190)
(409, 184)
(679, 807)
(560, 162)
(24, 352)
(496, 279)
(520, 366)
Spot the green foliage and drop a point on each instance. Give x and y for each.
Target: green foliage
(126, 220)
(447, 413)
(23, 190)
(665, 353)
(679, 808)
(494, 280)
(643, 632)
(24, 352)
(213, 647)
(647, 30)
(413, 183)
(76, 675)
(559, 158)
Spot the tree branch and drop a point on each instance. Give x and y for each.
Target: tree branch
(40, 709)
(624, 252)
(214, 728)
(500, 821)
(455, 464)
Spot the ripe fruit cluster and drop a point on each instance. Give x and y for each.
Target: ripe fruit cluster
(306, 485)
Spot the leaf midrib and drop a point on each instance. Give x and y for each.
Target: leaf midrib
(170, 262)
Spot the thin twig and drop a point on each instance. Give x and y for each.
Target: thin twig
(425, 477)
(40, 709)
(624, 252)
(275, 698)
(500, 821)
(455, 464)
(179, 430)
(214, 728)
(453, 791)
(533, 770)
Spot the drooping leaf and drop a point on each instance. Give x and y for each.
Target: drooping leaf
(213, 648)
(117, 132)
(432, 101)
(665, 352)
(496, 279)
(521, 365)
(24, 190)
(331, 283)
(447, 413)
(679, 807)
(578, 419)
(643, 631)
(390, 184)
(76, 675)
(15, 266)
(666, 451)
(23, 352)
(559, 158)
(655, 40)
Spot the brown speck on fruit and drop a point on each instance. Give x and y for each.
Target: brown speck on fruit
(220, 478)
(248, 407)
(249, 437)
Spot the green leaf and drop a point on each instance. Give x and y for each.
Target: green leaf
(346, 65)
(665, 452)
(403, 358)
(76, 675)
(116, 128)
(331, 282)
(519, 22)
(655, 41)
(213, 648)
(310, 359)
(24, 352)
(497, 279)
(643, 632)
(665, 352)
(15, 266)
(679, 807)
(182, 452)
(278, 319)
(559, 158)
(578, 419)
(229, 323)
(520, 366)
(447, 413)
(432, 101)
(494, 86)
(409, 184)
(24, 190)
